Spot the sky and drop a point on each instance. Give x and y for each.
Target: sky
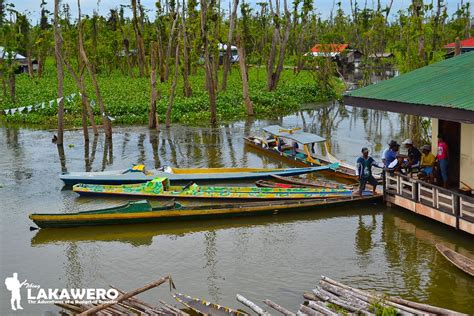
(103, 6)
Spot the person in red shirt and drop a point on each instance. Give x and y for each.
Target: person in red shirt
(442, 158)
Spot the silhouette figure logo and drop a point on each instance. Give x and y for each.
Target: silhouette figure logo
(13, 285)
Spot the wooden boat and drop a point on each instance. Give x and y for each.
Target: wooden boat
(177, 212)
(160, 188)
(138, 174)
(206, 308)
(318, 183)
(279, 144)
(462, 262)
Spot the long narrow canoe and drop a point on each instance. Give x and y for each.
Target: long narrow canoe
(317, 183)
(138, 174)
(460, 261)
(145, 213)
(160, 188)
(206, 308)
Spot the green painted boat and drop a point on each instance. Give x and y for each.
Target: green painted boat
(160, 188)
(143, 212)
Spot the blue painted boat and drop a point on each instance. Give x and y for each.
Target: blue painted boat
(138, 174)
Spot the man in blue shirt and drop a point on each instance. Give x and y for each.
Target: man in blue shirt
(391, 153)
(364, 171)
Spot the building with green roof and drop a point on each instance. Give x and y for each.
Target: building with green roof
(444, 92)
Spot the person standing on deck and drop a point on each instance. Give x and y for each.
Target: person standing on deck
(443, 157)
(364, 171)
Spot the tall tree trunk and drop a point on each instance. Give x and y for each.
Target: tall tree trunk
(152, 116)
(59, 72)
(277, 73)
(173, 86)
(230, 36)
(170, 43)
(12, 85)
(275, 41)
(139, 40)
(126, 45)
(30, 63)
(105, 119)
(243, 73)
(187, 90)
(210, 83)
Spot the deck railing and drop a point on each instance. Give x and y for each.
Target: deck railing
(444, 200)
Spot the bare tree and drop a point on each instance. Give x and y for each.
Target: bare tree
(230, 35)
(187, 90)
(105, 119)
(59, 72)
(140, 45)
(208, 64)
(170, 41)
(173, 85)
(152, 116)
(244, 75)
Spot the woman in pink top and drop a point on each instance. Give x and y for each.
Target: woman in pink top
(442, 158)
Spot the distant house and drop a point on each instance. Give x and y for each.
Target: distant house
(467, 45)
(341, 53)
(20, 59)
(234, 56)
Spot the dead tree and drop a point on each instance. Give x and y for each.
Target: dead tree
(105, 119)
(152, 116)
(244, 75)
(230, 35)
(173, 86)
(208, 64)
(187, 90)
(59, 72)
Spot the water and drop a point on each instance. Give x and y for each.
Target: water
(276, 257)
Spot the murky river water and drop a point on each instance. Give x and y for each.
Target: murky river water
(276, 257)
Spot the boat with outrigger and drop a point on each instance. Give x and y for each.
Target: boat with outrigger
(297, 147)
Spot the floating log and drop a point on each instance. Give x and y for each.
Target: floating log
(424, 307)
(279, 308)
(321, 307)
(257, 309)
(308, 311)
(125, 296)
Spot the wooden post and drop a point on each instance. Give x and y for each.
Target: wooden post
(125, 296)
(244, 75)
(152, 122)
(279, 308)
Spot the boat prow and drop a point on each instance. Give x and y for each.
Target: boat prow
(462, 262)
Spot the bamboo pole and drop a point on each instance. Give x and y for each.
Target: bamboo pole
(309, 311)
(279, 308)
(257, 309)
(321, 307)
(126, 296)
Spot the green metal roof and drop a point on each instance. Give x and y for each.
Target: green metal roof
(448, 83)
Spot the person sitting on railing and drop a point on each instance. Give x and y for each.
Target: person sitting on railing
(364, 171)
(414, 155)
(397, 165)
(391, 154)
(427, 164)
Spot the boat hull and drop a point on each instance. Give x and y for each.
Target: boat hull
(213, 175)
(463, 263)
(296, 161)
(190, 213)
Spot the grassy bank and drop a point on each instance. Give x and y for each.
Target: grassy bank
(128, 99)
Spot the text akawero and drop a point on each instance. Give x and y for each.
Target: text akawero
(72, 294)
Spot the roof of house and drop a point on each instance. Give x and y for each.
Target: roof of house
(468, 42)
(5, 55)
(442, 90)
(329, 48)
(294, 134)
